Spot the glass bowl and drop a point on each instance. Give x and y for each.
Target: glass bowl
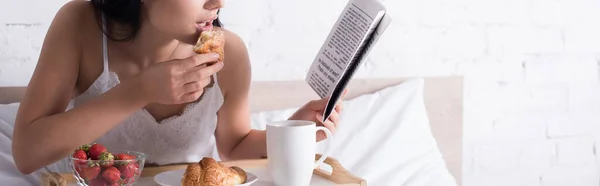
(108, 172)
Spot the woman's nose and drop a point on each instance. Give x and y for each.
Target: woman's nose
(213, 4)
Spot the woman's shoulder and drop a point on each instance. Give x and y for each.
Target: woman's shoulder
(235, 75)
(76, 20)
(76, 27)
(79, 13)
(234, 45)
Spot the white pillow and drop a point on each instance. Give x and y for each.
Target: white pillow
(383, 137)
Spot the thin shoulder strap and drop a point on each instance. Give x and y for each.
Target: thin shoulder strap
(104, 45)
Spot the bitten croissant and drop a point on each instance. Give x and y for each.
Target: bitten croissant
(209, 172)
(211, 41)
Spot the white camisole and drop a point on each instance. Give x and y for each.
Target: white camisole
(182, 138)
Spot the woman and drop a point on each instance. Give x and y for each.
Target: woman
(135, 83)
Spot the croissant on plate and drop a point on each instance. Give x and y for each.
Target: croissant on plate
(209, 172)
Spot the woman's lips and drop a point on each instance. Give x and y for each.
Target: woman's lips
(204, 26)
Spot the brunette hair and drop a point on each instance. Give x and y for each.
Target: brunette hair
(125, 13)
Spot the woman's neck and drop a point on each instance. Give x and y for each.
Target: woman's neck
(151, 45)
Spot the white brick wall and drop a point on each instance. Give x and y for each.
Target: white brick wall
(532, 106)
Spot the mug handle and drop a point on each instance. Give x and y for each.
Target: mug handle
(329, 149)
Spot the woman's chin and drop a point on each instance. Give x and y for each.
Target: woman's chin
(190, 39)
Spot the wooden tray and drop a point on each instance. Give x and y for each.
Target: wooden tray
(338, 175)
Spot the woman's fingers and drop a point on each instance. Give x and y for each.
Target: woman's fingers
(185, 64)
(201, 73)
(344, 94)
(192, 96)
(195, 86)
(317, 105)
(327, 124)
(334, 118)
(339, 107)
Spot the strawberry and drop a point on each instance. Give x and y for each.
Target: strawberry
(107, 159)
(115, 184)
(80, 154)
(98, 182)
(125, 157)
(128, 171)
(91, 172)
(79, 170)
(95, 151)
(126, 181)
(111, 175)
(85, 148)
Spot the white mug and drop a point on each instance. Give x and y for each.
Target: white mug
(291, 149)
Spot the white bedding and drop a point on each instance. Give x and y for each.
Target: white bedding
(8, 172)
(383, 137)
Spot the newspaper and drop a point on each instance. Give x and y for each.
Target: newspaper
(357, 29)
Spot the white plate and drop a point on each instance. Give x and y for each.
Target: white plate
(173, 178)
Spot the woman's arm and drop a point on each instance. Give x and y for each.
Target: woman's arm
(235, 139)
(44, 133)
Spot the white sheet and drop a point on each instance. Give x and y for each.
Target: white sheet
(384, 138)
(8, 172)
